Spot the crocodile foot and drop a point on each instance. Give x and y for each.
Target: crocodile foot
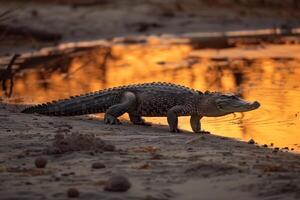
(145, 124)
(109, 119)
(175, 130)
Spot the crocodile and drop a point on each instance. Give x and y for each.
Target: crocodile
(157, 99)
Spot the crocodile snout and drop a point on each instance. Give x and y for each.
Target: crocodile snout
(255, 105)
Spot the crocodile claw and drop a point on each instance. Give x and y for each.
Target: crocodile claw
(109, 119)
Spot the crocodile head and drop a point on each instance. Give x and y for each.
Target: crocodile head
(223, 104)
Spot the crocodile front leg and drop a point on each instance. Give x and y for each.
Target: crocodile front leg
(127, 104)
(172, 116)
(195, 123)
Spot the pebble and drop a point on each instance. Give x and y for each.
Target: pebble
(109, 147)
(251, 141)
(68, 174)
(73, 193)
(265, 145)
(40, 162)
(98, 165)
(276, 149)
(190, 149)
(117, 183)
(28, 183)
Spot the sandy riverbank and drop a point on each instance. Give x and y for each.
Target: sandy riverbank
(159, 165)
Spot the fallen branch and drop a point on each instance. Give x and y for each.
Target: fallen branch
(8, 75)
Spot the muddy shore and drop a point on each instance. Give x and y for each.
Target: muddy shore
(158, 164)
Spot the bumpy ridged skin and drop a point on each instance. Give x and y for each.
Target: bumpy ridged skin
(153, 99)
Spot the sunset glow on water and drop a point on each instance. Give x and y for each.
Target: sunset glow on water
(274, 82)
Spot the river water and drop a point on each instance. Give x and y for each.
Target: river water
(273, 81)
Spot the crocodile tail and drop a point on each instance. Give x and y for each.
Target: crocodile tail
(97, 102)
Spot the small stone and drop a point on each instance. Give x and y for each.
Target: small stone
(40, 162)
(190, 149)
(276, 149)
(117, 184)
(272, 144)
(98, 165)
(73, 193)
(34, 13)
(251, 141)
(68, 174)
(109, 147)
(285, 148)
(156, 156)
(265, 145)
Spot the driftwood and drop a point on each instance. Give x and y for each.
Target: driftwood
(229, 39)
(40, 35)
(197, 40)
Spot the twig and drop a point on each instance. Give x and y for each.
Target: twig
(8, 74)
(4, 16)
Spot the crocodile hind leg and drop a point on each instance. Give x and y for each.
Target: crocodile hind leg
(137, 119)
(128, 103)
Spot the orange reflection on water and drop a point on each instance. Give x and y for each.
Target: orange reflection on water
(273, 82)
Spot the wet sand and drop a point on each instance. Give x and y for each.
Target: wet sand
(158, 164)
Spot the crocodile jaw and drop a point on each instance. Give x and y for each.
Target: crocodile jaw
(237, 105)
